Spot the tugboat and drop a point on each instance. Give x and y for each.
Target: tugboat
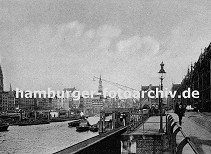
(93, 128)
(83, 126)
(74, 123)
(3, 126)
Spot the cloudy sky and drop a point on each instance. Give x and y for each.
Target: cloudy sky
(58, 44)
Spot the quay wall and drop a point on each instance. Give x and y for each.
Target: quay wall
(101, 144)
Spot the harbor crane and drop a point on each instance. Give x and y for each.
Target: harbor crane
(120, 86)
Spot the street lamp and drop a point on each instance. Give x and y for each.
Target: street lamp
(162, 76)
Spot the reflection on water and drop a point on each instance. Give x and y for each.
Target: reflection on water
(42, 139)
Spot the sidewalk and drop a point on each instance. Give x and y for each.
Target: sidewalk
(200, 136)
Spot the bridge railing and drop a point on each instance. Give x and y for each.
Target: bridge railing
(172, 134)
(136, 119)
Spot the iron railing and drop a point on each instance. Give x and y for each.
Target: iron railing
(172, 134)
(136, 119)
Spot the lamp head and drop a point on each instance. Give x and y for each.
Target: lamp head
(162, 71)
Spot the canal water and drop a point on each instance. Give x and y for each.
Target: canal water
(42, 139)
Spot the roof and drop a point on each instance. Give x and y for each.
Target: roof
(150, 87)
(4, 92)
(175, 87)
(69, 89)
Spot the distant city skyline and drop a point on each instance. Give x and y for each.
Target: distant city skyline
(63, 44)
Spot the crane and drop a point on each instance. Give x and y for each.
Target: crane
(122, 87)
(115, 84)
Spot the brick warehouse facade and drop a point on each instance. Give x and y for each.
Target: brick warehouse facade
(199, 78)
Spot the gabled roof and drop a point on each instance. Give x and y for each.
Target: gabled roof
(175, 87)
(150, 87)
(70, 89)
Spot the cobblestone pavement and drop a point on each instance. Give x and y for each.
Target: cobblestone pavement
(201, 119)
(197, 127)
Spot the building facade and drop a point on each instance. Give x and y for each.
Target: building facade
(147, 101)
(172, 101)
(198, 78)
(88, 106)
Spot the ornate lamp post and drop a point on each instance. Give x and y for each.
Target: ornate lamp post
(162, 76)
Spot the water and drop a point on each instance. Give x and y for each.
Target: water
(42, 139)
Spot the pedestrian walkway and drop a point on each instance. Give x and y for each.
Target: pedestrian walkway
(200, 136)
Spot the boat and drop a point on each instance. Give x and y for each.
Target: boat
(83, 126)
(62, 119)
(58, 120)
(4, 126)
(74, 123)
(93, 128)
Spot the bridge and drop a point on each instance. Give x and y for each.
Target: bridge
(133, 131)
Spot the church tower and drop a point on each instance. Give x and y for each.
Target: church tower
(10, 92)
(100, 87)
(1, 80)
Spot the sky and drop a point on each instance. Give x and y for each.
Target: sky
(61, 44)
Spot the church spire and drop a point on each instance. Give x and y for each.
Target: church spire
(100, 87)
(11, 92)
(1, 80)
(10, 87)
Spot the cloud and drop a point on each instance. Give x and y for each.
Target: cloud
(104, 43)
(150, 45)
(137, 45)
(71, 53)
(108, 31)
(64, 44)
(62, 53)
(129, 45)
